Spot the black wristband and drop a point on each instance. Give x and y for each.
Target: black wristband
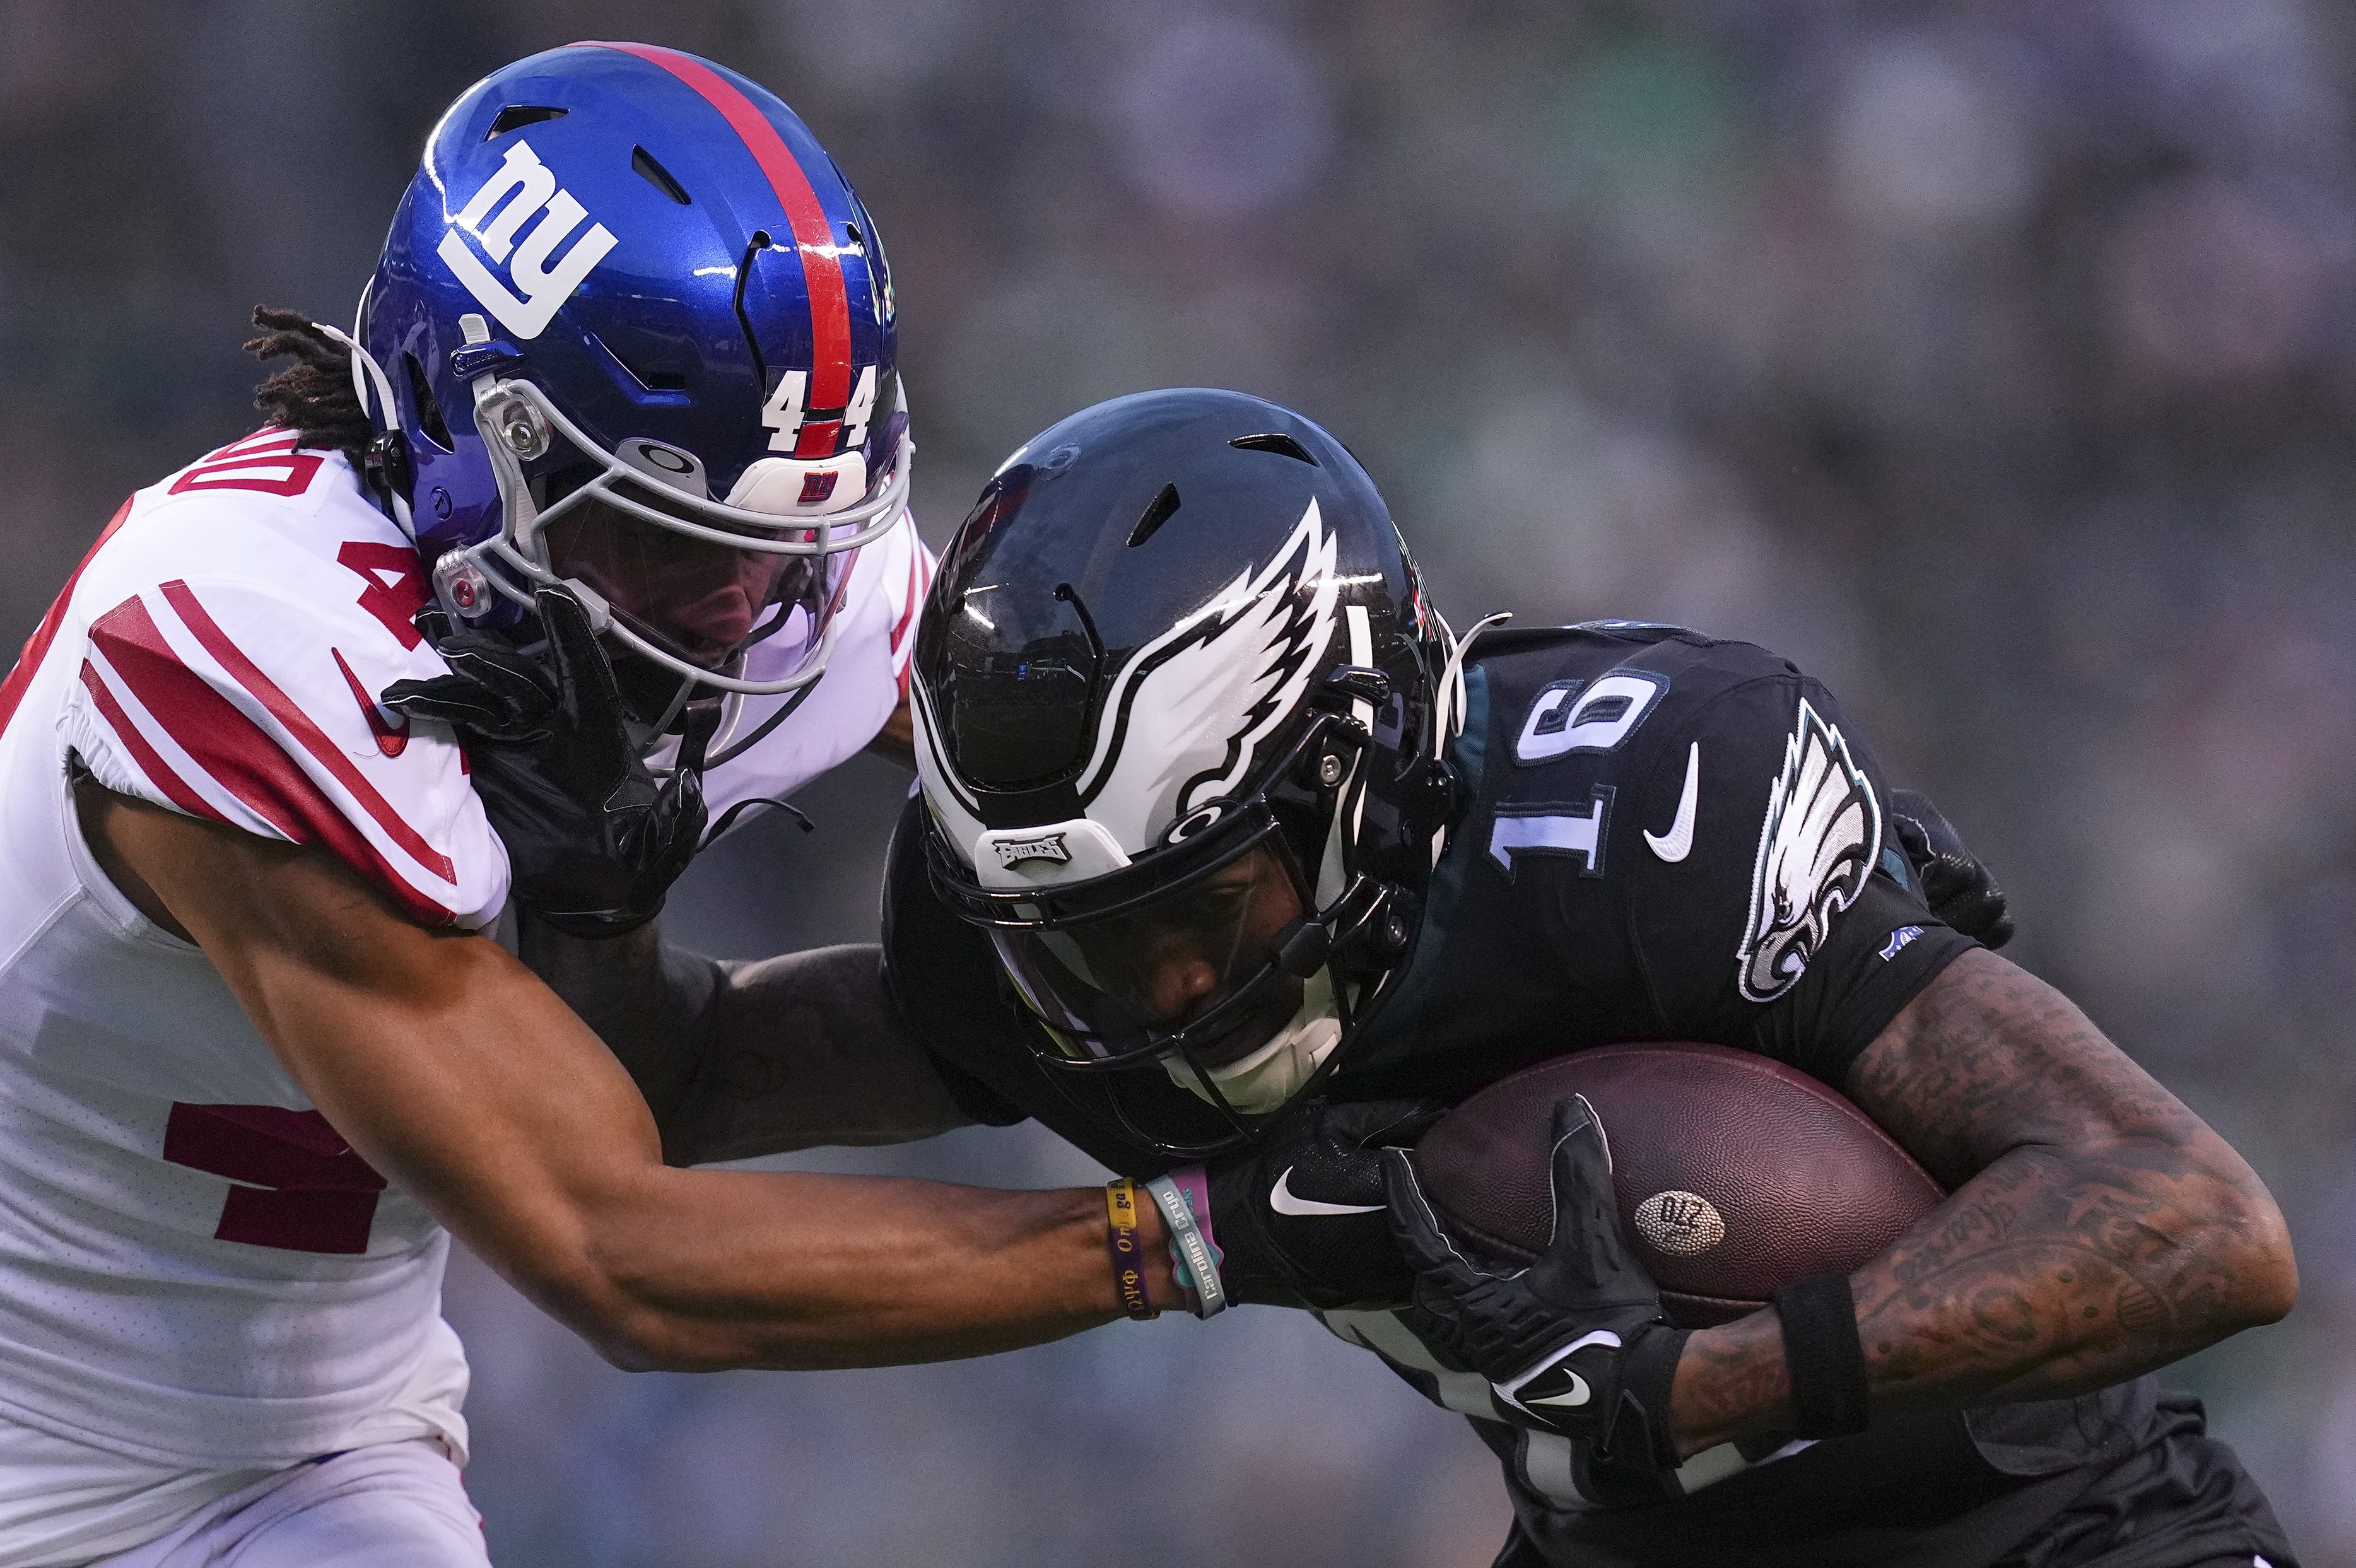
(1823, 1356)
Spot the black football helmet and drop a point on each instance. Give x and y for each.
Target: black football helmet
(1179, 702)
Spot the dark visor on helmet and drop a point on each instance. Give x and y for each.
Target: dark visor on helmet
(1199, 968)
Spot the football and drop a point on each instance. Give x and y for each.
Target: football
(1736, 1175)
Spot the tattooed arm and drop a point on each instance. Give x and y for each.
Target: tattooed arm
(743, 1059)
(2097, 1229)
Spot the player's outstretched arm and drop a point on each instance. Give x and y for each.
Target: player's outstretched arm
(738, 1059)
(2097, 1230)
(462, 1078)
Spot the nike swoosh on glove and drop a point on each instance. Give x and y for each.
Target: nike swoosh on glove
(1302, 1219)
(1577, 1342)
(1959, 890)
(594, 840)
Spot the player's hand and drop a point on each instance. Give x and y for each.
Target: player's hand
(1576, 1343)
(593, 841)
(1300, 1218)
(1958, 889)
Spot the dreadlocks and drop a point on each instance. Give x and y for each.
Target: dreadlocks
(313, 396)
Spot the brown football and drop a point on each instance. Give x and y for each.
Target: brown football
(1736, 1175)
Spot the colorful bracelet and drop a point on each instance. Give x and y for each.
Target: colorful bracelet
(1184, 1202)
(1128, 1252)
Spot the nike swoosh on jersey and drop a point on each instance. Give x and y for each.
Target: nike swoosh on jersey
(391, 739)
(1678, 842)
(1280, 1198)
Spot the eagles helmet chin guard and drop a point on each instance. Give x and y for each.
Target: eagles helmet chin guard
(633, 332)
(1179, 701)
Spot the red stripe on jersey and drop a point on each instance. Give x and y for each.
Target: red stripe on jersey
(149, 760)
(814, 237)
(37, 646)
(281, 707)
(236, 754)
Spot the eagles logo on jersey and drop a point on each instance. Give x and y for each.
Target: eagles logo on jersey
(1817, 847)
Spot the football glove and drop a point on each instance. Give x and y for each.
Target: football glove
(1301, 1219)
(594, 840)
(1958, 889)
(1577, 1342)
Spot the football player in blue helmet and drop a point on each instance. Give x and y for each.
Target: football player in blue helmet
(624, 391)
(634, 333)
(632, 351)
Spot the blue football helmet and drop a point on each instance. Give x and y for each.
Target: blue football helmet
(633, 332)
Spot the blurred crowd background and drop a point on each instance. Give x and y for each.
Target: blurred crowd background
(1996, 360)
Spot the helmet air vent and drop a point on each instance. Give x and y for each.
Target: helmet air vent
(1281, 444)
(652, 379)
(655, 175)
(515, 116)
(758, 243)
(1157, 512)
(429, 412)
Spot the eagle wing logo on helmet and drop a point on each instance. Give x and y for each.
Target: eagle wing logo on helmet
(1817, 845)
(1192, 711)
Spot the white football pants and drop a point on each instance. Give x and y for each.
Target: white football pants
(395, 1505)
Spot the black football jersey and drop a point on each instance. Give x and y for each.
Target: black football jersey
(1664, 836)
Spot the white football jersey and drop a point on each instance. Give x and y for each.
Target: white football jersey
(195, 1269)
(865, 680)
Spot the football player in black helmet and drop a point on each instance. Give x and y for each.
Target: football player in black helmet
(1245, 828)
(1231, 862)
(1185, 779)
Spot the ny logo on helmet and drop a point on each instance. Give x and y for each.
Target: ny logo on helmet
(527, 186)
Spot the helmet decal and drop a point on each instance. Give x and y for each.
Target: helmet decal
(814, 241)
(1179, 734)
(527, 186)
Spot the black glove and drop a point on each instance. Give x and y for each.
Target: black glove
(1301, 1219)
(1958, 889)
(1577, 1342)
(593, 841)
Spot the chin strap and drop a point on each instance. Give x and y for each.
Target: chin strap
(1448, 707)
(374, 389)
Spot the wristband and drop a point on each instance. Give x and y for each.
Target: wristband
(1823, 1356)
(1128, 1254)
(1196, 1260)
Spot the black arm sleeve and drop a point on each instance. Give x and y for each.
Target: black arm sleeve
(1792, 926)
(943, 977)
